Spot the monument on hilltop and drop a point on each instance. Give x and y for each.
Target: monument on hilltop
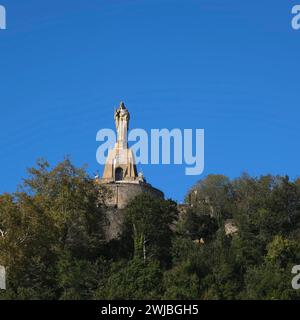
(120, 163)
(120, 176)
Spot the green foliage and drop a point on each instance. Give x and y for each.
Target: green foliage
(55, 212)
(149, 222)
(181, 283)
(52, 241)
(200, 226)
(256, 262)
(271, 280)
(212, 196)
(79, 278)
(135, 279)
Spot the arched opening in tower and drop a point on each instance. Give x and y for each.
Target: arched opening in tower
(119, 174)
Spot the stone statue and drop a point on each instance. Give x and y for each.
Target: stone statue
(122, 117)
(120, 162)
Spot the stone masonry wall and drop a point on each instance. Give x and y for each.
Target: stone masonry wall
(120, 195)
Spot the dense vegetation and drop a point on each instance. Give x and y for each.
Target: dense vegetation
(52, 241)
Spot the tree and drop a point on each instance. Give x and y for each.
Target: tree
(200, 226)
(133, 280)
(212, 196)
(52, 242)
(271, 280)
(54, 212)
(181, 283)
(149, 221)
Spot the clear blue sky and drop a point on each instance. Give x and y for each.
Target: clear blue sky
(230, 67)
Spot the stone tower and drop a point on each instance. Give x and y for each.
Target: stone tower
(120, 176)
(120, 163)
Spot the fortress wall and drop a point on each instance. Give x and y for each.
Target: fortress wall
(121, 194)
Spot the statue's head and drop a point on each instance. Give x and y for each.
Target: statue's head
(121, 112)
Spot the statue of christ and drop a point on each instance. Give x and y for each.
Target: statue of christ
(122, 125)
